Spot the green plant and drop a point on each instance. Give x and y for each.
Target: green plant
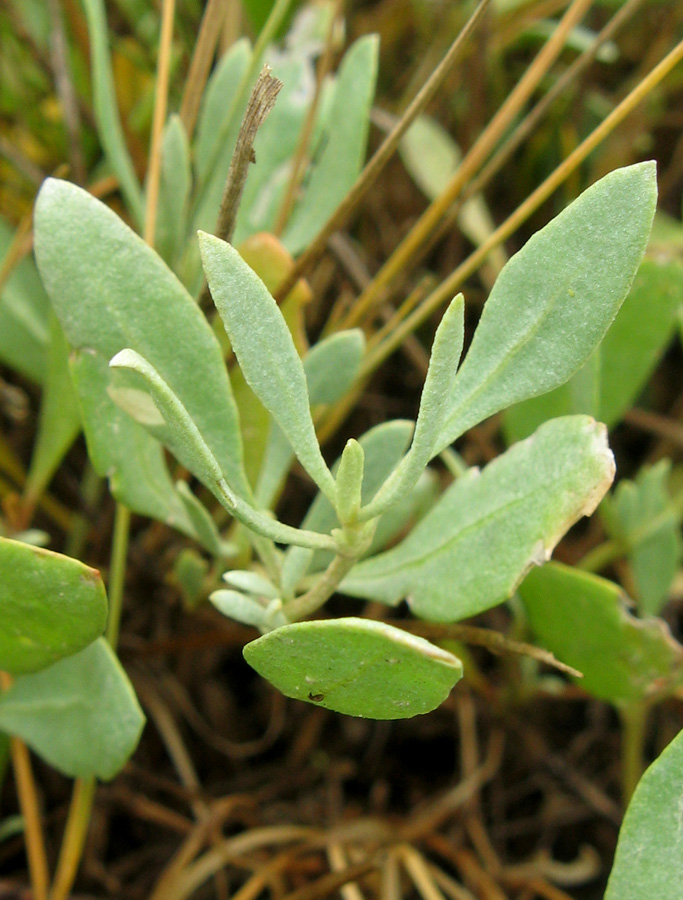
(550, 307)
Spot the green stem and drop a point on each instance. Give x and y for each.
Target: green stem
(633, 731)
(117, 573)
(322, 590)
(74, 837)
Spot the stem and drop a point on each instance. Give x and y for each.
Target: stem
(30, 810)
(74, 837)
(209, 32)
(382, 156)
(117, 574)
(322, 590)
(633, 730)
(445, 292)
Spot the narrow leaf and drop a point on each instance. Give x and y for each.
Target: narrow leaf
(265, 351)
(555, 299)
(60, 420)
(471, 550)
(330, 368)
(437, 389)
(356, 667)
(174, 192)
(344, 144)
(106, 112)
(50, 607)
(150, 401)
(80, 715)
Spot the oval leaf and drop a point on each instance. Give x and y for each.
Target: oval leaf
(81, 715)
(583, 620)
(50, 607)
(357, 667)
(649, 857)
(471, 550)
(555, 299)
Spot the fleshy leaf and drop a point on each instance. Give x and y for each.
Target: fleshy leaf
(174, 192)
(642, 516)
(50, 607)
(471, 550)
(583, 620)
(265, 351)
(649, 858)
(356, 666)
(555, 299)
(607, 385)
(111, 291)
(80, 715)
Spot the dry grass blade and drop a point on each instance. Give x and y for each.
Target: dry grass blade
(372, 170)
(207, 40)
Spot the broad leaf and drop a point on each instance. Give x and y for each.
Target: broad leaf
(265, 351)
(555, 299)
(583, 620)
(355, 666)
(50, 606)
(642, 516)
(607, 385)
(80, 715)
(24, 316)
(111, 291)
(344, 144)
(472, 549)
(649, 856)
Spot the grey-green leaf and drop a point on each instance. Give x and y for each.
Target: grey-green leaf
(174, 192)
(345, 141)
(265, 351)
(555, 299)
(80, 715)
(616, 372)
(356, 666)
(50, 607)
(438, 386)
(330, 368)
(584, 621)
(471, 550)
(111, 291)
(649, 858)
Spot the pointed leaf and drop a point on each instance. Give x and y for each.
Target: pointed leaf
(471, 550)
(80, 715)
(330, 368)
(50, 606)
(357, 667)
(617, 371)
(438, 387)
(111, 291)
(555, 299)
(265, 351)
(583, 620)
(649, 858)
(174, 192)
(383, 446)
(344, 144)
